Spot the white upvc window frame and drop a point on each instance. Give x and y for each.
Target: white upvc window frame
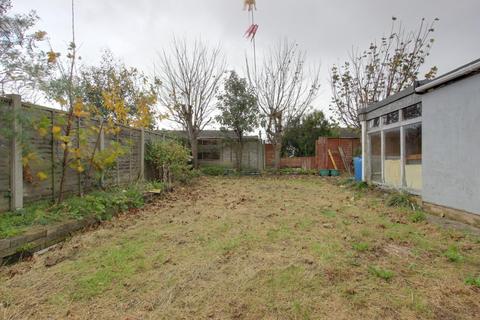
(382, 128)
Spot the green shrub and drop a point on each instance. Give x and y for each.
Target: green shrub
(169, 157)
(214, 170)
(472, 281)
(381, 273)
(453, 254)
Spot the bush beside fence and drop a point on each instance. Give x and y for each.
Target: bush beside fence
(19, 130)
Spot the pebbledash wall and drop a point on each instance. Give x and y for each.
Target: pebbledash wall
(16, 188)
(451, 145)
(447, 164)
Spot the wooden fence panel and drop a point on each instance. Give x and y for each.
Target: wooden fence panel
(45, 154)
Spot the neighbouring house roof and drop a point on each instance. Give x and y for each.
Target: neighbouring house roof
(209, 134)
(348, 133)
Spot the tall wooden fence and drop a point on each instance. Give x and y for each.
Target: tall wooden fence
(19, 138)
(321, 160)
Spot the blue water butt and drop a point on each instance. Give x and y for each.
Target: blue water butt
(357, 164)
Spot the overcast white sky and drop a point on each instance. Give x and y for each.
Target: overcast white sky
(135, 30)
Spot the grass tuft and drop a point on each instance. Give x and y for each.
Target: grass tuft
(417, 216)
(472, 281)
(361, 246)
(329, 213)
(453, 254)
(401, 200)
(381, 273)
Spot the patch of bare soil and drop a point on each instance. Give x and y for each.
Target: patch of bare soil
(252, 248)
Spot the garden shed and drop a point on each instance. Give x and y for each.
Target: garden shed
(426, 140)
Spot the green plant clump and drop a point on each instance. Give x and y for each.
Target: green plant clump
(170, 161)
(100, 204)
(361, 246)
(381, 273)
(472, 281)
(292, 171)
(453, 254)
(417, 216)
(401, 200)
(214, 170)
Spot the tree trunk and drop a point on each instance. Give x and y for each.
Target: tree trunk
(277, 148)
(194, 146)
(239, 155)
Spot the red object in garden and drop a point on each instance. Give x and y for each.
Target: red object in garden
(251, 31)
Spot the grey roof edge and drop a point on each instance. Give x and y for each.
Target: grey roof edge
(394, 97)
(412, 89)
(464, 71)
(458, 69)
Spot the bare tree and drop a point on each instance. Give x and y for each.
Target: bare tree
(285, 89)
(190, 76)
(385, 68)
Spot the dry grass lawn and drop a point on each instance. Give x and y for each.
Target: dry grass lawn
(253, 248)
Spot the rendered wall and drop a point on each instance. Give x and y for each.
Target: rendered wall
(451, 145)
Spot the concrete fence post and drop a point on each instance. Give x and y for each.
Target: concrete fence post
(364, 150)
(101, 147)
(16, 168)
(142, 154)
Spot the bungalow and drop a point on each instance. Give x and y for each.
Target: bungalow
(216, 147)
(426, 140)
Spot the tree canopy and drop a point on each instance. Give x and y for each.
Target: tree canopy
(386, 67)
(302, 133)
(22, 62)
(238, 110)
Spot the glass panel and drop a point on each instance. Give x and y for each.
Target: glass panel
(373, 123)
(412, 112)
(209, 155)
(392, 174)
(391, 117)
(413, 156)
(375, 157)
(208, 142)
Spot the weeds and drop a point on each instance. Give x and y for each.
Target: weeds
(381, 273)
(213, 170)
(100, 204)
(417, 216)
(329, 213)
(472, 281)
(352, 183)
(401, 200)
(453, 254)
(361, 246)
(292, 171)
